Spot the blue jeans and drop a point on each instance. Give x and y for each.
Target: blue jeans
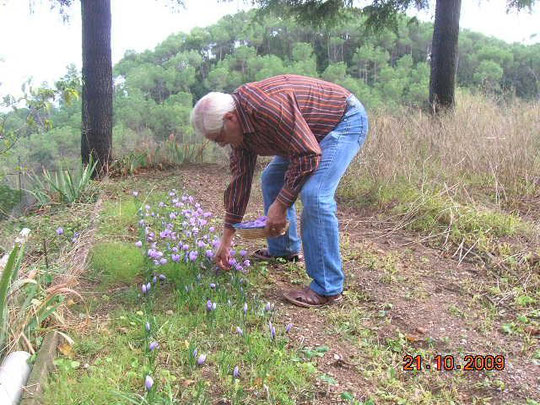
(320, 231)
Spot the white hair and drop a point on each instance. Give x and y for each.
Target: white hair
(207, 115)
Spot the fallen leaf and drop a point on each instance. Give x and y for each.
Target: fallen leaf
(67, 350)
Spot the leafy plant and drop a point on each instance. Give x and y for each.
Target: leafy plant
(10, 273)
(63, 186)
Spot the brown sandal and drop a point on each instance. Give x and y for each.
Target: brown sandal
(263, 254)
(308, 298)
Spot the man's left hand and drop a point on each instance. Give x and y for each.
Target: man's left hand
(277, 219)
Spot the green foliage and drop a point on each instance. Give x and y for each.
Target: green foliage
(155, 89)
(9, 273)
(63, 187)
(9, 198)
(116, 262)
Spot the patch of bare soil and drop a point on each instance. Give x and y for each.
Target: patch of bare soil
(405, 290)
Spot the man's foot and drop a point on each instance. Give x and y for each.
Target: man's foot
(308, 298)
(263, 254)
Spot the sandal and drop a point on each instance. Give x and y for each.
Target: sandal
(263, 254)
(308, 298)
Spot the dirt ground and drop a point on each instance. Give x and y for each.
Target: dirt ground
(397, 290)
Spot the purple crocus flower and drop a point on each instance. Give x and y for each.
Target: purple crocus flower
(214, 306)
(148, 286)
(288, 327)
(209, 306)
(272, 330)
(195, 352)
(239, 331)
(148, 382)
(162, 261)
(268, 307)
(245, 308)
(213, 286)
(209, 254)
(211, 229)
(147, 326)
(153, 345)
(201, 359)
(193, 255)
(247, 263)
(144, 289)
(138, 243)
(135, 194)
(236, 372)
(154, 279)
(175, 258)
(162, 277)
(60, 230)
(243, 253)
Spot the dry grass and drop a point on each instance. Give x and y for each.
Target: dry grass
(482, 148)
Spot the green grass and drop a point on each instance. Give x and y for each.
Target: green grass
(115, 345)
(116, 262)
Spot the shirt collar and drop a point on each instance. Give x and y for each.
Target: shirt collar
(245, 121)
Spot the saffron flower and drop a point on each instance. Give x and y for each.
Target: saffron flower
(201, 359)
(153, 345)
(135, 194)
(162, 277)
(148, 382)
(162, 261)
(245, 308)
(236, 372)
(60, 230)
(147, 326)
(243, 253)
(195, 352)
(288, 327)
(209, 306)
(213, 286)
(193, 255)
(239, 331)
(272, 330)
(175, 258)
(269, 307)
(138, 243)
(209, 254)
(144, 289)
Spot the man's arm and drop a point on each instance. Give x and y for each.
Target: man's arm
(236, 197)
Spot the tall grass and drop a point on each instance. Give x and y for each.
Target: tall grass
(484, 150)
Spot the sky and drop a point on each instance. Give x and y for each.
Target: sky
(39, 45)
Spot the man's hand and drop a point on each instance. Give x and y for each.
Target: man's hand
(277, 219)
(222, 255)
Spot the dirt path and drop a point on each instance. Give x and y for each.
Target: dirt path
(401, 298)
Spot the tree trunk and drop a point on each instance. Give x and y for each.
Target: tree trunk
(97, 90)
(444, 54)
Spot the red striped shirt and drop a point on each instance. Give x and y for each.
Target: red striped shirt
(286, 115)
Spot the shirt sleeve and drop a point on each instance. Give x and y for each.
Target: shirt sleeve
(236, 197)
(283, 116)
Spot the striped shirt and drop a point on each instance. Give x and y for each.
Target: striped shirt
(286, 115)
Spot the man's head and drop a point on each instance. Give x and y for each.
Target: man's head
(214, 117)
